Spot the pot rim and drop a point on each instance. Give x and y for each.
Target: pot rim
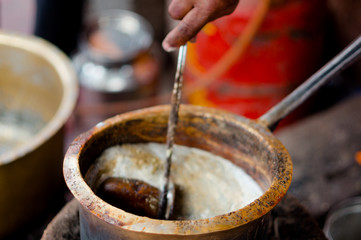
(63, 68)
(115, 216)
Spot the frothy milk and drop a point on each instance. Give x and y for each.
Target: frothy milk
(207, 185)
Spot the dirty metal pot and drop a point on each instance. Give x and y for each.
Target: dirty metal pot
(36, 82)
(247, 143)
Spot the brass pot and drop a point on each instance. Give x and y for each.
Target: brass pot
(38, 79)
(244, 142)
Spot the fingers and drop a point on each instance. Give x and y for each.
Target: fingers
(194, 14)
(179, 8)
(186, 29)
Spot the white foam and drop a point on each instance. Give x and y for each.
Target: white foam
(209, 185)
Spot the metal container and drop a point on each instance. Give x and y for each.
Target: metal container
(117, 56)
(244, 142)
(38, 85)
(117, 61)
(343, 221)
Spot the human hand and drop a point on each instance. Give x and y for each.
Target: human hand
(194, 14)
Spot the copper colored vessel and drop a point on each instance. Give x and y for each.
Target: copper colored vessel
(38, 86)
(246, 143)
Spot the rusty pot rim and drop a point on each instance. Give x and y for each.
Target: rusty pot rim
(117, 217)
(63, 68)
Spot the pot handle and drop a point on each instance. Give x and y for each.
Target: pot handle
(345, 58)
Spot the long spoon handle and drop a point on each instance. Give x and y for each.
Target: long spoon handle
(312, 84)
(172, 123)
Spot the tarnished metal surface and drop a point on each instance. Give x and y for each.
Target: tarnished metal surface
(244, 142)
(167, 198)
(37, 79)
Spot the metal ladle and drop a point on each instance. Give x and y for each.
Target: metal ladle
(168, 193)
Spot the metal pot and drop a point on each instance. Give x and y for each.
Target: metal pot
(244, 142)
(247, 143)
(342, 222)
(37, 83)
